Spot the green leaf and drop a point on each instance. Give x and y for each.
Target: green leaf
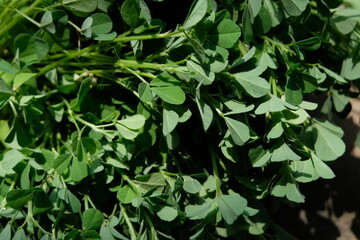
(205, 112)
(31, 49)
(276, 131)
(85, 6)
(73, 202)
(254, 8)
(134, 122)
(170, 121)
(145, 11)
(247, 26)
(165, 86)
(90, 235)
(338, 131)
(310, 44)
(271, 104)
(82, 95)
(7, 67)
(259, 156)
(47, 22)
(328, 146)
(297, 85)
(106, 36)
(5, 91)
(226, 34)
(317, 74)
(303, 171)
(11, 159)
(6, 232)
(79, 169)
(19, 135)
(182, 111)
(282, 152)
(164, 80)
(25, 177)
(202, 74)
(255, 86)
(321, 168)
(22, 78)
(19, 234)
(231, 207)
(237, 107)
(199, 211)
(196, 14)
(274, 12)
(145, 92)
(105, 231)
(42, 203)
(86, 27)
(126, 194)
(286, 186)
(239, 131)
(333, 75)
(340, 100)
(172, 140)
(101, 23)
(126, 132)
(109, 233)
(17, 198)
(130, 12)
(150, 181)
(295, 7)
(350, 69)
(62, 162)
(173, 95)
(92, 219)
(167, 214)
(293, 92)
(191, 185)
(117, 163)
(91, 145)
(346, 19)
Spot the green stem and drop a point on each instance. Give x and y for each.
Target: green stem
(39, 226)
(151, 225)
(7, 9)
(129, 224)
(136, 75)
(273, 85)
(13, 108)
(28, 18)
(75, 26)
(17, 18)
(135, 64)
(148, 37)
(215, 172)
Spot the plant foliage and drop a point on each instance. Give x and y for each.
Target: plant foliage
(116, 123)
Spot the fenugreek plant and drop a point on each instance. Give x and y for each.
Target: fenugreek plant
(117, 123)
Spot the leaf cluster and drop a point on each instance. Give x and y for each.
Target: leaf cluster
(113, 126)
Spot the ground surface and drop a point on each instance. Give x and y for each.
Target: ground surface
(332, 207)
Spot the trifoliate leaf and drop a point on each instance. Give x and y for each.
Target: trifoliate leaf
(328, 146)
(231, 207)
(239, 131)
(170, 121)
(321, 168)
(255, 86)
(167, 214)
(191, 185)
(282, 152)
(92, 219)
